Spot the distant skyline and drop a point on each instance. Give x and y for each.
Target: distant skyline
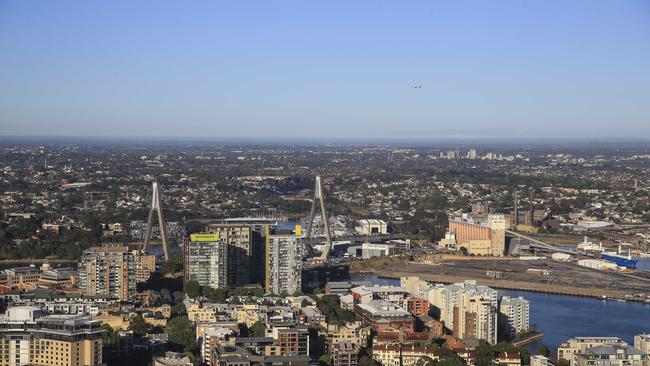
(326, 70)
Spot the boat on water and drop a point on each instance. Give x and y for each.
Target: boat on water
(620, 258)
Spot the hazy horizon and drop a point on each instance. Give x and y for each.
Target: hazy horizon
(336, 71)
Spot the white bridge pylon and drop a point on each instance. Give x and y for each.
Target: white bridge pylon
(320, 197)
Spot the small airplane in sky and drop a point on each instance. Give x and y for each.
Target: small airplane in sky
(419, 86)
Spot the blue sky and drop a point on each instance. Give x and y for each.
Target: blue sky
(325, 69)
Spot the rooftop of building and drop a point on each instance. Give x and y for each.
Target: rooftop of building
(613, 349)
(107, 250)
(174, 359)
(348, 284)
(240, 340)
(372, 222)
(19, 270)
(470, 286)
(383, 308)
(507, 300)
(372, 289)
(595, 339)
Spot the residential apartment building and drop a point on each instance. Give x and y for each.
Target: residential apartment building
(417, 306)
(468, 309)
(475, 316)
(578, 345)
(612, 355)
(206, 260)
(210, 339)
(145, 265)
(387, 354)
(283, 264)
(345, 354)
(352, 332)
(292, 341)
(539, 360)
(412, 354)
(515, 315)
(239, 239)
(108, 271)
(392, 294)
(28, 338)
(642, 342)
(396, 355)
(383, 315)
(202, 312)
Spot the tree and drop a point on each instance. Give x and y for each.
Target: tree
(110, 335)
(179, 309)
(218, 295)
(325, 360)
(257, 329)
(173, 265)
(334, 314)
(139, 326)
(317, 343)
(426, 361)
(181, 334)
(484, 354)
(447, 357)
(367, 361)
(542, 350)
(562, 362)
(192, 289)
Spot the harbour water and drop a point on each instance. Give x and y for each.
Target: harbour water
(561, 317)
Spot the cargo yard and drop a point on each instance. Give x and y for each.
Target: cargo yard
(541, 275)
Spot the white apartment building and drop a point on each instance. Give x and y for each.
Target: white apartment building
(206, 260)
(475, 316)
(515, 314)
(446, 298)
(284, 264)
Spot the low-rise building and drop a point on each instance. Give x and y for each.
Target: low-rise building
(202, 312)
(343, 287)
(612, 355)
(383, 315)
(352, 332)
(292, 341)
(397, 355)
(539, 360)
(579, 345)
(345, 354)
(507, 359)
(642, 342)
(417, 306)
